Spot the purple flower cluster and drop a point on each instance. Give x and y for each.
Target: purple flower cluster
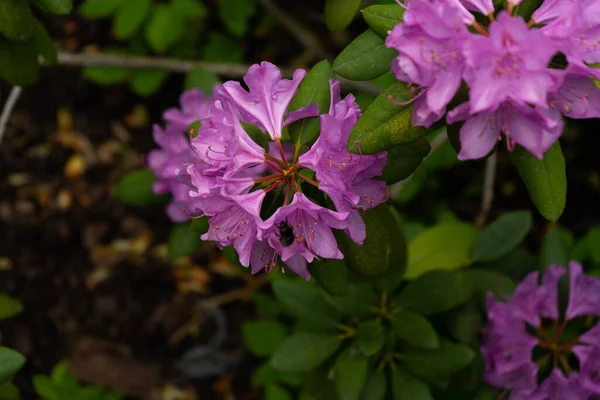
(175, 151)
(530, 325)
(227, 175)
(514, 88)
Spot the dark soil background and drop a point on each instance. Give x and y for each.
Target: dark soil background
(92, 273)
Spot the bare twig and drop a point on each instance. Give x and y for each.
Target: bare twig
(307, 38)
(183, 66)
(13, 97)
(488, 189)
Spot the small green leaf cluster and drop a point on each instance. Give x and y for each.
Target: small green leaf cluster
(23, 38)
(61, 385)
(176, 28)
(11, 361)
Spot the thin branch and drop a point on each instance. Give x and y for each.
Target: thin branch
(488, 189)
(13, 97)
(307, 38)
(182, 66)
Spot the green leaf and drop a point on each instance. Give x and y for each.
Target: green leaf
(385, 124)
(404, 159)
(447, 359)
(356, 303)
(45, 387)
(9, 307)
(276, 392)
(383, 250)
(16, 20)
(63, 379)
(187, 9)
(267, 305)
(8, 391)
(235, 15)
(306, 304)
(99, 8)
(105, 76)
(200, 225)
(201, 79)
(332, 275)
(164, 29)
(545, 179)
(58, 7)
(314, 88)
(376, 387)
(44, 43)
(10, 363)
(147, 81)
(371, 337)
(221, 48)
(406, 387)
(465, 323)
(304, 351)
(130, 16)
(266, 374)
(135, 188)
(444, 246)
(414, 329)
(18, 62)
(182, 241)
(350, 374)
(365, 58)
(555, 249)
(383, 18)
(434, 292)
(487, 280)
(340, 13)
(502, 235)
(263, 337)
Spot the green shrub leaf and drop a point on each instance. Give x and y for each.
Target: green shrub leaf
(383, 17)
(201, 79)
(332, 276)
(407, 387)
(404, 159)
(130, 16)
(447, 359)
(164, 29)
(44, 43)
(58, 7)
(9, 307)
(147, 81)
(304, 351)
(182, 241)
(135, 189)
(414, 329)
(18, 62)
(16, 20)
(371, 337)
(502, 235)
(235, 15)
(99, 8)
(263, 337)
(306, 304)
(546, 179)
(376, 387)
(365, 58)
(10, 362)
(340, 13)
(350, 374)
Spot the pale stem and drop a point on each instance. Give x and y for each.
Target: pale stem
(488, 189)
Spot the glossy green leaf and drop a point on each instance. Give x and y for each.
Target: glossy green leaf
(9, 307)
(465, 324)
(188, 9)
(147, 81)
(376, 387)
(44, 43)
(514, 264)
(434, 292)
(45, 387)
(444, 246)
(350, 374)
(201, 79)
(404, 159)
(182, 242)
(200, 225)
(340, 13)
(371, 337)
(332, 275)
(135, 189)
(276, 392)
(546, 179)
(235, 15)
(554, 250)
(446, 360)
(221, 48)
(99, 8)
(356, 303)
(306, 304)
(385, 124)
(304, 351)
(383, 17)
(8, 391)
(414, 329)
(58, 7)
(164, 29)
(383, 250)
(130, 16)
(407, 387)
(263, 337)
(105, 75)
(16, 20)
(365, 58)
(18, 62)
(11, 362)
(266, 374)
(314, 88)
(502, 235)
(487, 280)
